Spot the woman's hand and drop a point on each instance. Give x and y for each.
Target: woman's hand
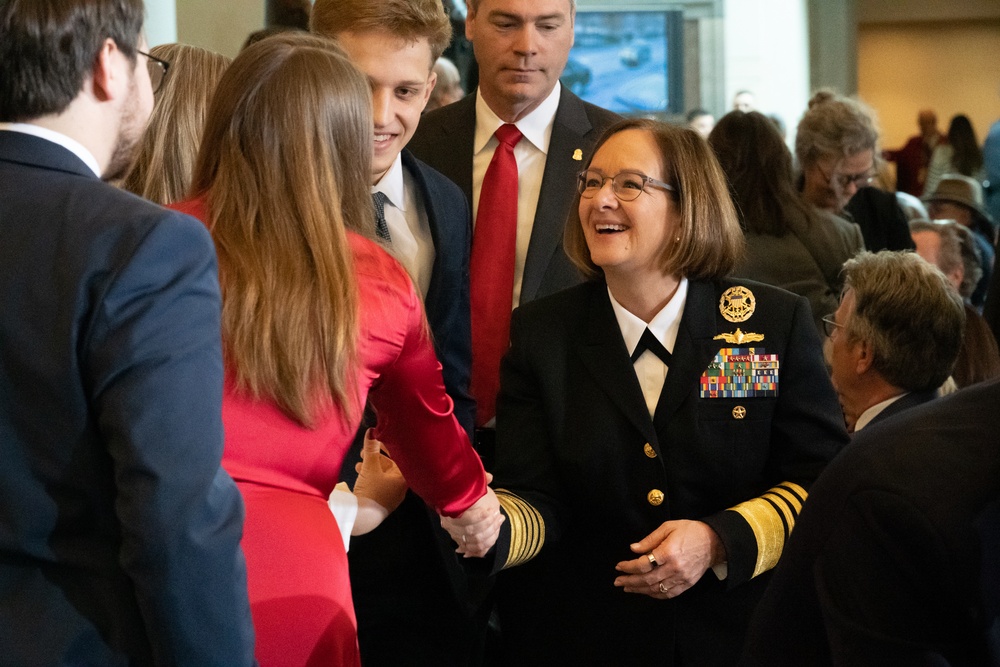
(682, 551)
(477, 529)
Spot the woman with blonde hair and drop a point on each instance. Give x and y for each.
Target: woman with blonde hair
(317, 318)
(165, 157)
(651, 468)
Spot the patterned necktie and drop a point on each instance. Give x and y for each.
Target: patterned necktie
(491, 266)
(381, 228)
(651, 343)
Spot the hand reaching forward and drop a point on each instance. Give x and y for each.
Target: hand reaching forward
(674, 557)
(380, 486)
(477, 530)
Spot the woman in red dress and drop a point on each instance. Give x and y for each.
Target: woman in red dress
(316, 319)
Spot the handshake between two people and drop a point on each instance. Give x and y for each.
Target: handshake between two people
(380, 489)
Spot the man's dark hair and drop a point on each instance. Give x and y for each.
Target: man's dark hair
(48, 48)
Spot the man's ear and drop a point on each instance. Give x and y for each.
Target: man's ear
(863, 357)
(429, 88)
(109, 76)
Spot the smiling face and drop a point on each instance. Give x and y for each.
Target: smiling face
(627, 239)
(401, 79)
(522, 47)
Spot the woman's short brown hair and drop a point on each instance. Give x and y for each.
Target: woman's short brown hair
(709, 241)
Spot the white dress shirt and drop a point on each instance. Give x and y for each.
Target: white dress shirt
(530, 154)
(68, 143)
(871, 413)
(409, 227)
(649, 369)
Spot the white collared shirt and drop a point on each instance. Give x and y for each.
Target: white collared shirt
(871, 413)
(530, 154)
(409, 228)
(649, 369)
(70, 144)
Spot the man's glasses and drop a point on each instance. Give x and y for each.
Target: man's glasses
(157, 70)
(843, 180)
(830, 325)
(627, 185)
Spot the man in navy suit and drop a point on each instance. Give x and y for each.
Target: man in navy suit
(395, 43)
(895, 559)
(119, 531)
(522, 47)
(895, 337)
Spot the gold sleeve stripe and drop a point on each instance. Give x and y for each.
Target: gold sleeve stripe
(527, 529)
(772, 518)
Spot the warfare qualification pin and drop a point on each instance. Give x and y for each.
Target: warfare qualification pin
(737, 304)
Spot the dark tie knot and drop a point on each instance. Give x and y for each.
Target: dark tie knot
(508, 134)
(651, 343)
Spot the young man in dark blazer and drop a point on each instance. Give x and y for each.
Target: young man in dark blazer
(119, 531)
(395, 43)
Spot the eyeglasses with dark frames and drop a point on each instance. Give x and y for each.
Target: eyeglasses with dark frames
(830, 325)
(627, 185)
(157, 70)
(843, 180)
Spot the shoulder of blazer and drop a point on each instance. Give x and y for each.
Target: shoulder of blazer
(582, 118)
(432, 182)
(31, 151)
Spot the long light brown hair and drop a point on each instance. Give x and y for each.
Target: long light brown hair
(284, 169)
(165, 156)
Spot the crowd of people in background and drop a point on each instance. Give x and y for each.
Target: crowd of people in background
(346, 352)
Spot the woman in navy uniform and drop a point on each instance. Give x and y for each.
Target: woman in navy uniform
(658, 426)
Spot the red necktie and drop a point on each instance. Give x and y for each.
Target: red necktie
(491, 268)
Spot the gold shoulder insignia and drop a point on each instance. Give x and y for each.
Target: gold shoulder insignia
(738, 338)
(737, 304)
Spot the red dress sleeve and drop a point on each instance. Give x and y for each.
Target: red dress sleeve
(415, 421)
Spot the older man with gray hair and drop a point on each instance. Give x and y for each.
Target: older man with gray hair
(894, 339)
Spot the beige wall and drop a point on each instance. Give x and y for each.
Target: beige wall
(949, 66)
(220, 26)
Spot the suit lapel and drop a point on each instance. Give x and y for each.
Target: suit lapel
(603, 352)
(693, 350)
(556, 194)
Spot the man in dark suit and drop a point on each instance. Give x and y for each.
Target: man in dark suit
(895, 337)
(395, 43)
(119, 531)
(896, 557)
(522, 48)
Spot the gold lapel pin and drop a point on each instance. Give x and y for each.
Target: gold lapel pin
(578, 155)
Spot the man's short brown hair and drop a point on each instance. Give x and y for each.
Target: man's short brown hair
(906, 310)
(410, 20)
(48, 50)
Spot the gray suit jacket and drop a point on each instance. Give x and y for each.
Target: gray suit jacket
(445, 139)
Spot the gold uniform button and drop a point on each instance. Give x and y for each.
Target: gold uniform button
(649, 451)
(739, 412)
(655, 497)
